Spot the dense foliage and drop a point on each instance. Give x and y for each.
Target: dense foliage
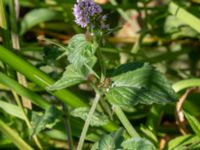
(100, 75)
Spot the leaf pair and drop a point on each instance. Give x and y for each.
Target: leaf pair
(132, 83)
(80, 54)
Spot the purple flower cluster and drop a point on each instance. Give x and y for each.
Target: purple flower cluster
(86, 12)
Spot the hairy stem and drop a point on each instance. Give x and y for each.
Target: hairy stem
(87, 122)
(102, 65)
(125, 122)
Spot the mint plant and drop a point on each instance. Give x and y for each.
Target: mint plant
(130, 84)
(99, 74)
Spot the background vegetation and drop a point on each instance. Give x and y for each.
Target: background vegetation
(36, 115)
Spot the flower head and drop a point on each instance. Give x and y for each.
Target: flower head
(85, 12)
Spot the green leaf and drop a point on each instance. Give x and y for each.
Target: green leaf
(110, 142)
(12, 110)
(137, 143)
(194, 123)
(149, 134)
(69, 78)
(98, 119)
(95, 146)
(185, 16)
(183, 142)
(177, 28)
(37, 16)
(118, 137)
(106, 143)
(141, 85)
(80, 52)
(48, 120)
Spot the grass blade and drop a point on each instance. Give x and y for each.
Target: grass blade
(38, 77)
(36, 99)
(185, 16)
(194, 123)
(14, 137)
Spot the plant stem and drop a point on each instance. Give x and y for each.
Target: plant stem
(67, 126)
(87, 122)
(125, 122)
(102, 64)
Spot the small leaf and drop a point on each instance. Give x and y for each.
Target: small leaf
(81, 52)
(69, 78)
(95, 146)
(48, 120)
(149, 134)
(37, 16)
(143, 85)
(137, 143)
(194, 123)
(98, 119)
(118, 137)
(111, 142)
(106, 143)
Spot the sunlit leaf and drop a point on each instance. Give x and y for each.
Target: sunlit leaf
(12, 109)
(70, 77)
(177, 28)
(142, 85)
(80, 51)
(184, 15)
